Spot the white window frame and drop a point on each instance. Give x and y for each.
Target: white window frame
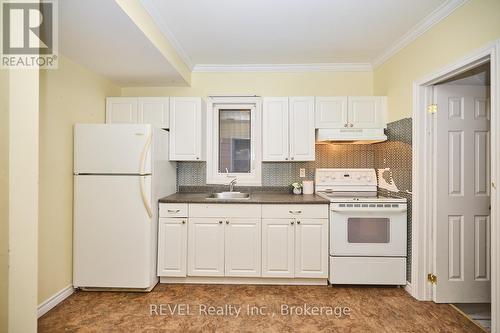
(254, 178)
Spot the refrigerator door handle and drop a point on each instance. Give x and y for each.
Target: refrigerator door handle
(144, 154)
(145, 200)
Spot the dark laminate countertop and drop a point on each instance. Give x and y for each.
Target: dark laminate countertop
(255, 198)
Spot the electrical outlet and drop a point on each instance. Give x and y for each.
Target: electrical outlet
(302, 173)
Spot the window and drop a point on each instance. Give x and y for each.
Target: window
(234, 141)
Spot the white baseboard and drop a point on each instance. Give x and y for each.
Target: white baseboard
(246, 280)
(408, 288)
(55, 299)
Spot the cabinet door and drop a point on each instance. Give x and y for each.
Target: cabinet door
(275, 143)
(206, 247)
(186, 133)
(331, 112)
(311, 248)
(366, 112)
(172, 247)
(154, 111)
(277, 248)
(242, 247)
(121, 110)
(301, 129)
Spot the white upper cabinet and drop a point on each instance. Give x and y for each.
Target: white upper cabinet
(288, 129)
(137, 110)
(331, 112)
(154, 111)
(301, 130)
(121, 110)
(351, 112)
(187, 129)
(275, 129)
(367, 111)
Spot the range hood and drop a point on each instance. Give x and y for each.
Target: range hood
(350, 135)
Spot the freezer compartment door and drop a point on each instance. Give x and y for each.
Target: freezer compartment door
(112, 149)
(113, 233)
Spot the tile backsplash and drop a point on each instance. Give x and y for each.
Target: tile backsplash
(285, 173)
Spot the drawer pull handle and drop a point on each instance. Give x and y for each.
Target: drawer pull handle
(298, 222)
(173, 210)
(292, 223)
(227, 222)
(295, 211)
(220, 222)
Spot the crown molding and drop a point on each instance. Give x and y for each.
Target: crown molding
(419, 29)
(153, 12)
(290, 68)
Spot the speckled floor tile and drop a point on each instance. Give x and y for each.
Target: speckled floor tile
(371, 309)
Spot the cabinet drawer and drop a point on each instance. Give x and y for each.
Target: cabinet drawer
(225, 210)
(288, 211)
(173, 210)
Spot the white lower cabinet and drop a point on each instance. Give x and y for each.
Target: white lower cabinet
(311, 248)
(260, 241)
(277, 248)
(295, 248)
(206, 247)
(172, 247)
(242, 247)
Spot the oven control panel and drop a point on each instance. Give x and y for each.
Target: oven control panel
(346, 177)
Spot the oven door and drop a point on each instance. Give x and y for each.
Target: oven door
(368, 229)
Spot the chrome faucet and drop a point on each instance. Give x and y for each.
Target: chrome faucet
(231, 185)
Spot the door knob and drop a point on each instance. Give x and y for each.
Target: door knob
(183, 222)
(292, 222)
(351, 125)
(227, 222)
(220, 222)
(345, 125)
(298, 222)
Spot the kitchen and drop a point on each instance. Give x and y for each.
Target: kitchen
(207, 150)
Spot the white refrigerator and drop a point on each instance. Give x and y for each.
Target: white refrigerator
(120, 172)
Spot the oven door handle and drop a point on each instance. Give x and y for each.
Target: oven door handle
(369, 209)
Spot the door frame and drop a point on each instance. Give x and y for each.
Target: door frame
(423, 201)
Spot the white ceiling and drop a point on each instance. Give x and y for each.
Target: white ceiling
(100, 36)
(286, 31)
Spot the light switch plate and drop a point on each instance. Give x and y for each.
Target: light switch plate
(302, 173)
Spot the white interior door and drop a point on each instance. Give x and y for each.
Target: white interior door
(462, 242)
(243, 249)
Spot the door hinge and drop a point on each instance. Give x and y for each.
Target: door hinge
(432, 278)
(433, 108)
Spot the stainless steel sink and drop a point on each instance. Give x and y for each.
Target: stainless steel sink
(229, 195)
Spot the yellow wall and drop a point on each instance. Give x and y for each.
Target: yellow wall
(470, 27)
(266, 84)
(68, 95)
(4, 197)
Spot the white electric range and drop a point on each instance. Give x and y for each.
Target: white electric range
(368, 231)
